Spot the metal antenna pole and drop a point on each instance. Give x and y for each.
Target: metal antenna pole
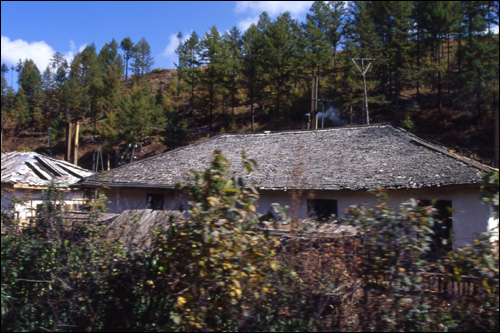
(323, 112)
(100, 153)
(363, 72)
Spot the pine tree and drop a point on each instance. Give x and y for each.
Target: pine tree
(251, 67)
(397, 23)
(234, 62)
(142, 61)
(280, 40)
(360, 41)
(337, 19)
(110, 100)
(318, 46)
(210, 55)
(192, 78)
(136, 116)
(181, 63)
(62, 95)
(85, 85)
(48, 87)
(57, 60)
(5, 70)
(109, 54)
(8, 98)
(21, 110)
(29, 79)
(438, 20)
(128, 49)
(478, 71)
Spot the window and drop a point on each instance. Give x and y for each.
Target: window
(47, 208)
(322, 209)
(154, 201)
(442, 228)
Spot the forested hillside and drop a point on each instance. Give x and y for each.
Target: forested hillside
(435, 73)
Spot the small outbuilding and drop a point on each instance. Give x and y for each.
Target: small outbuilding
(26, 177)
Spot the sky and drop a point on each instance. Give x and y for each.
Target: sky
(37, 29)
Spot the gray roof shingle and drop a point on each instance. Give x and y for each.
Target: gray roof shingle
(355, 158)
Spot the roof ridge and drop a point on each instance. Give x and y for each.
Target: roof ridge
(221, 135)
(305, 130)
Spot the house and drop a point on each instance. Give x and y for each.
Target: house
(318, 173)
(26, 177)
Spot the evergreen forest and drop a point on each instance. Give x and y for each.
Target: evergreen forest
(434, 73)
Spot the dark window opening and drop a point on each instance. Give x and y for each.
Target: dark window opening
(442, 238)
(322, 209)
(154, 201)
(47, 208)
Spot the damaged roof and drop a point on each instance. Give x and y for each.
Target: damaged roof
(32, 169)
(354, 158)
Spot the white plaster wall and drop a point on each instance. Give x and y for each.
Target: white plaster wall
(470, 216)
(120, 199)
(7, 198)
(493, 227)
(26, 200)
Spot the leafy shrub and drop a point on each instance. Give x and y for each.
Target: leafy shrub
(220, 268)
(214, 265)
(60, 276)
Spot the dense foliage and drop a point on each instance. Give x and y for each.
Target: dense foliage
(430, 55)
(220, 268)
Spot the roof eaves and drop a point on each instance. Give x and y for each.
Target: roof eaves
(121, 185)
(446, 151)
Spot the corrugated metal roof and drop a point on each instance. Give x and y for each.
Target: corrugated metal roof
(33, 169)
(354, 158)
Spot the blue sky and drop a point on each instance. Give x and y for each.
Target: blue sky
(36, 30)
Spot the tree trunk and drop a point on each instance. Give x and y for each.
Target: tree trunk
(418, 65)
(211, 110)
(439, 79)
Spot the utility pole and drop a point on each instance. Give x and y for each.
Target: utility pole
(75, 148)
(314, 103)
(363, 71)
(323, 101)
(496, 133)
(68, 141)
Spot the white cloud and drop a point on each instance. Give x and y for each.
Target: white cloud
(40, 52)
(244, 24)
(273, 8)
(252, 9)
(169, 51)
(173, 42)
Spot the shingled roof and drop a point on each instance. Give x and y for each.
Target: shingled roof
(32, 169)
(354, 158)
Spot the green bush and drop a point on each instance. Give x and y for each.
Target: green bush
(221, 269)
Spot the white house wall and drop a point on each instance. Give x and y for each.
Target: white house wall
(470, 216)
(121, 199)
(26, 200)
